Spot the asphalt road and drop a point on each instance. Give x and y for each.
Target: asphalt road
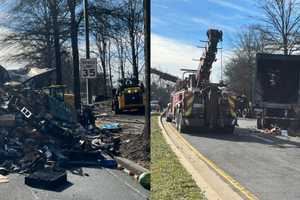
(268, 167)
(95, 184)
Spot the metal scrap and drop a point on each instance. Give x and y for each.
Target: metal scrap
(32, 138)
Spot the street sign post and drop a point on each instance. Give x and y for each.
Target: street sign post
(88, 68)
(88, 71)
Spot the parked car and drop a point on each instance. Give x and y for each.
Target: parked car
(155, 106)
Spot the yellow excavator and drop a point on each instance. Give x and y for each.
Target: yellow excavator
(128, 97)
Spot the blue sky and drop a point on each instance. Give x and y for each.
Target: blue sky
(185, 22)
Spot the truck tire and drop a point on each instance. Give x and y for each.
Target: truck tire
(259, 123)
(180, 123)
(176, 119)
(168, 118)
(244, 113)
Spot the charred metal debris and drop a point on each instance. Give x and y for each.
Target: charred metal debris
(42, 140)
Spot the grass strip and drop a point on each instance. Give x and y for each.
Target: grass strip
(169, 179)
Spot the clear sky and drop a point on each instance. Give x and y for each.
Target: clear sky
(178, 25)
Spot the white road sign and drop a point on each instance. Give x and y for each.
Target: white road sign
(88, 68)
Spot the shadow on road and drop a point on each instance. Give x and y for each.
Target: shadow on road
(59, 189)
(53, 188)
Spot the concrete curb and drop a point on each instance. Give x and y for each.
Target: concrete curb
(206, 175)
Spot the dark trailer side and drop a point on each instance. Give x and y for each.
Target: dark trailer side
(276, 90)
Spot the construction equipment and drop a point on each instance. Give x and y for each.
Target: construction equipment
(276, 91)
(58, 92)
(155, 106)
(59, 103)
(164, 76)
(196, 102)
(129, 96)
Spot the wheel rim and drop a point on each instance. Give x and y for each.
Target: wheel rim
(244, 113)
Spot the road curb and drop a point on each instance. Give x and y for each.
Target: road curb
(131, 168)
(201, 179)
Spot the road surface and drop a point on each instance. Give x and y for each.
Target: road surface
(95, 184)
(268, 167)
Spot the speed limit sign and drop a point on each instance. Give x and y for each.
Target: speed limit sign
(88, 68)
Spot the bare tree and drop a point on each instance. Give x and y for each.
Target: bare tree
(109, 56)
(43, 30)
(134, 25)
(120, 46)
(31, 31)
(249, 42)
(240, 68)
(101, 43)
(106, 23)
(281, 24)
(54, 10)
(74, 25)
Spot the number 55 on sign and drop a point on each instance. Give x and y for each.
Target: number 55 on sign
(88, 68)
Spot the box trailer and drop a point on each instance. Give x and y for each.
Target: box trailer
(276, 90)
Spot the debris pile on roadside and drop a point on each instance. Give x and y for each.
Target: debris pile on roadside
(133, 145)
(277, 131)
(272, 131)
(34, 139)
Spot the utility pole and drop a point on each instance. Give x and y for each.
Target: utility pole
(54, 12)
(74, 41)
(147, 52)
(87, 46)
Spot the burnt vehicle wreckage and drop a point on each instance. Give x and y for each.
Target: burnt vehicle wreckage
(42, 142)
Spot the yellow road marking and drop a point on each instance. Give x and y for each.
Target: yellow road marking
(218, 170)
